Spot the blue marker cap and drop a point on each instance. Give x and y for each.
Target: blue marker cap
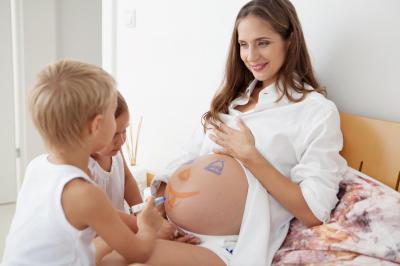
(159, 200)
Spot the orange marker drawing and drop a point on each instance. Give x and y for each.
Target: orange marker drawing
(184, 175)
(174, 195)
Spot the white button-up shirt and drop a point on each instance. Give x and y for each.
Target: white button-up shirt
(301, 140)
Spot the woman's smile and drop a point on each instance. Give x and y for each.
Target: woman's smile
(258, 67)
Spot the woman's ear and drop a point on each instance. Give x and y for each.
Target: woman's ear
(94, 124)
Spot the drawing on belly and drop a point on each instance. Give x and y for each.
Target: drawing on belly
(184, 175)
(216, 166)
(173, 196)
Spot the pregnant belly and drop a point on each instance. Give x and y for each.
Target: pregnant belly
(208, 195)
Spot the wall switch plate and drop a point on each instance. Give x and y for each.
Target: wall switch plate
(130, 18)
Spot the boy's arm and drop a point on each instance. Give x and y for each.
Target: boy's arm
(86, 205)
(131, 193)
(129, 220)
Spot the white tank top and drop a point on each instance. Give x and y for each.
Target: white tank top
(113, 182)
(40, 234)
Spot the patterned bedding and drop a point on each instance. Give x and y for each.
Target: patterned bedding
(364, 229)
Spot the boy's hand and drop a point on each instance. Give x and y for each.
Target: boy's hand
(149, 218)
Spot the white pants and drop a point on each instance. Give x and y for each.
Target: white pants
(222, 246)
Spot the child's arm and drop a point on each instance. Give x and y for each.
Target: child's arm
(86, 205)
(129, 220)
(131, 193)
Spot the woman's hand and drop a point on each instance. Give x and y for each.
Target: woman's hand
(239, 144)
(166, 230)
(169, 231)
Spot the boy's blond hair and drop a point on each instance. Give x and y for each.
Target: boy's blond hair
(66, 96)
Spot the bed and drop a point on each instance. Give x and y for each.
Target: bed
(364, 228)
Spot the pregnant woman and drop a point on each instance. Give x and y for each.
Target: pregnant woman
(276, 137)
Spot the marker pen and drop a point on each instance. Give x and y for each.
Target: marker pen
(138, 207)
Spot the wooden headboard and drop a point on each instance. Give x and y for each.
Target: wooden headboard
(372, 147)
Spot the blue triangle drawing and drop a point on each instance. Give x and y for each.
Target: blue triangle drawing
(216, 166)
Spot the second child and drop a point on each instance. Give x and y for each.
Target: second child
(108, 166)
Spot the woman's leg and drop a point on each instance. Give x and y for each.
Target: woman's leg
(172, 253)
(176, 253)
(102, 249)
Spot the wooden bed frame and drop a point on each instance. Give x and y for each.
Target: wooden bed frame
(373, 147)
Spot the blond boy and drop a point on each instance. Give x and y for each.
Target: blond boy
(59, 208)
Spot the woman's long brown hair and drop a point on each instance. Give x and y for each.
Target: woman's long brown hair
(295, 73)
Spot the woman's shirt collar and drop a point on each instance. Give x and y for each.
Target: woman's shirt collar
(268, 97)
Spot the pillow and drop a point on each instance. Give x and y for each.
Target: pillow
(364, 228)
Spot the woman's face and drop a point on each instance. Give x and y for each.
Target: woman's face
(262, 49)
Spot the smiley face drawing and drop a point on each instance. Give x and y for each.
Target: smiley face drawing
(173, 196)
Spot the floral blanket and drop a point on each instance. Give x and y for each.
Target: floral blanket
(364, 229)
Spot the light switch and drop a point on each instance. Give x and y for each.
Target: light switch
(130, 18)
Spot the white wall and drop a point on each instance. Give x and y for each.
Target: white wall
(79, 30)
(170, 64)
(38, 48)
(50, 30)
(355, 50)
(169, 67)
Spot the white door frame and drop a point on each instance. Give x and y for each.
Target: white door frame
(12, 104)
(19, 87)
